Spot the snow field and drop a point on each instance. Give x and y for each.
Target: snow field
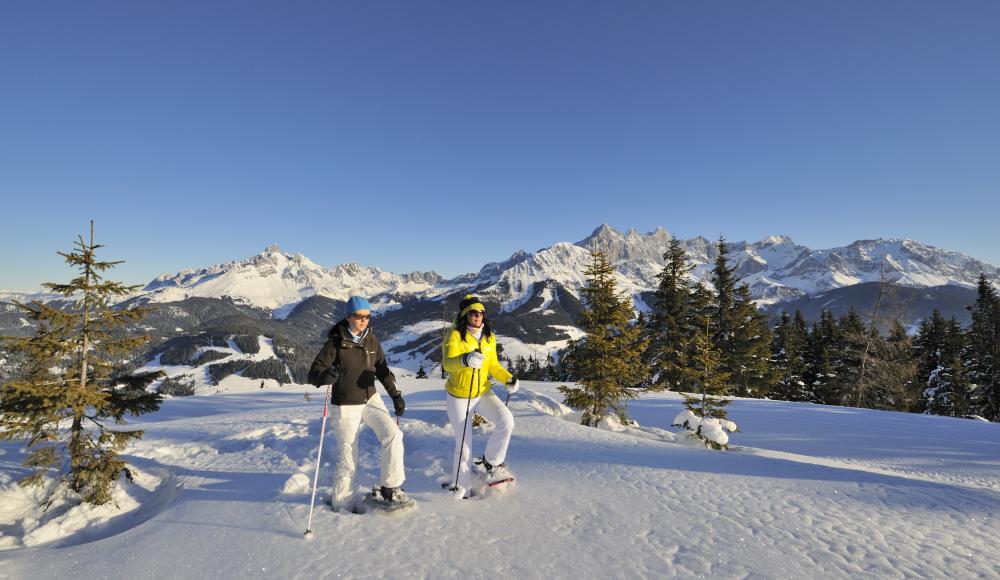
(805, 491)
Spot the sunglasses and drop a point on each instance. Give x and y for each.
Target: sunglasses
(476, 313)
(361, 316)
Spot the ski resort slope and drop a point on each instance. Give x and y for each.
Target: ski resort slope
(807, 491)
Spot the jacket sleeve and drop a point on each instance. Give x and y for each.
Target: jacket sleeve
(384, 375)
(451, 353)
(326, 358)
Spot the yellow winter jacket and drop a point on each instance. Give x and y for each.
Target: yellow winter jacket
(460, 377)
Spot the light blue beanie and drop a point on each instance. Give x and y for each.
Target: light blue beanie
(355, 303)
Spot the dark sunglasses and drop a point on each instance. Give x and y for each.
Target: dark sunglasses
(361, 316)
(476, 313)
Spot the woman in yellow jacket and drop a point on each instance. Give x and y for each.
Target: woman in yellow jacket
(470, 358)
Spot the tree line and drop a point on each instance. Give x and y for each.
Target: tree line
(714, 341)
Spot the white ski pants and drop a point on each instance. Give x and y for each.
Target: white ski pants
(346, 420)
(490, 407)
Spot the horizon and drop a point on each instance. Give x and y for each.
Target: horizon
(443, 136)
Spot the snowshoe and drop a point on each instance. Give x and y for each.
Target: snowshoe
(494, 475)
(389, 499)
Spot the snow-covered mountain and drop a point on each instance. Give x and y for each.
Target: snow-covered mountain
(278, 281)
(776, 268)
(533, 297)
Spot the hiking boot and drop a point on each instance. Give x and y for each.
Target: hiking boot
(392, 495)
(495, 473)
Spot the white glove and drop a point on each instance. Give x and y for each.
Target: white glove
(513, 386)
(474, 360)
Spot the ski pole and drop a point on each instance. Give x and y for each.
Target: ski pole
(319, 458)
(461, 449)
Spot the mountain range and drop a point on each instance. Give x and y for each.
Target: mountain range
(534, 297)
(776, 269)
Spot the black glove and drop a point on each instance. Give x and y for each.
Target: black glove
(399, 405)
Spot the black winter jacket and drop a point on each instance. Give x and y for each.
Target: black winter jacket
(352, 367)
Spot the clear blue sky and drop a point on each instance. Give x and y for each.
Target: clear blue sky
(443, 135)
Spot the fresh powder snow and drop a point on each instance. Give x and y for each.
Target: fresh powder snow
(223, 480)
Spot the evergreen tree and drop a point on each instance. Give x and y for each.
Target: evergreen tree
(739, 331)
(983, 356)
(564, 364)
(847, 360)
(823, 344)
(551, 369)
(948, 388)
(520, 366)
(930, 345)
(671, 325)
(938, 346)
(789, 362)
(533, 371)
(749, 362)
(608, 360)
(421, 373)
(705, 416)
(724, 282)
(65, 401)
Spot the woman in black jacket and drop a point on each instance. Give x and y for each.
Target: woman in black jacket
(349, 362)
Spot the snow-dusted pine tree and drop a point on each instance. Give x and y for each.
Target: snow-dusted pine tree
(704, 414)
(607, 361)
(939, 346)
(65, 401)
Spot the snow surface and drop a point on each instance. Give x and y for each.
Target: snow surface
(805, 491)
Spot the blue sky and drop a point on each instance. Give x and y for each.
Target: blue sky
(444, 135)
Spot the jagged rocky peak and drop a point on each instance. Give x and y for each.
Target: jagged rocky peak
(602, 235)
(779, 240)
(660, 234)
(430, 277)
(351, 269)
(630, 246)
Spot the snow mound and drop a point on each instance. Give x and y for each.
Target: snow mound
(67, 521)
(715, 430)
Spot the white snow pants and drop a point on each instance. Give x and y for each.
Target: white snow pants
(490, 407)
(346, 420)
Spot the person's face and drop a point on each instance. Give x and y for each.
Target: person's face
(359, 320)
(474, 318)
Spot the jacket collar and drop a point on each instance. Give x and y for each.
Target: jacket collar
(343, 331)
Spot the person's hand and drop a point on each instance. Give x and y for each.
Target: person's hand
(513, 385)
(399, 404)
(474, 360)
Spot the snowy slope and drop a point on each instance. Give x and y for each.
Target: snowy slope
(808, 491)
(198, 375)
